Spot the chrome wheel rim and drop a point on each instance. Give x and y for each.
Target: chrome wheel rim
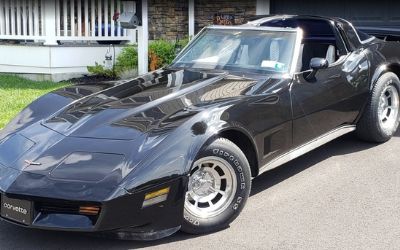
(388, 109)
(212, 187)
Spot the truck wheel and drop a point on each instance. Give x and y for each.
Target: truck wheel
(218, 188)
(381, 116)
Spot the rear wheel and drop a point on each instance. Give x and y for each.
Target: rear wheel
(381, 116)
(218, 188)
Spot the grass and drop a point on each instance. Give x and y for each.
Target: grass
(16, 93)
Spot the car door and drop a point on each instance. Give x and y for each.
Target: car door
(333, 98)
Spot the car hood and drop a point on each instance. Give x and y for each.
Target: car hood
(130, 108)
(96, 135)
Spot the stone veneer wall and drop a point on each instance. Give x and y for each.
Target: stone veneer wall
(169, 19)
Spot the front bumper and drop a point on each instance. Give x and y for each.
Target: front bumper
(123, 217)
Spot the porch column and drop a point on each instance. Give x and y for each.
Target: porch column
(143, 41)
(263, 7)
(191, 19)
(49, 15)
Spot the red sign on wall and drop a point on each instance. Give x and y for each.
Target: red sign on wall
(227, 19)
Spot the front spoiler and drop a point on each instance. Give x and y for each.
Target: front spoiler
(127, 234)
(133, 233)
(122, 217)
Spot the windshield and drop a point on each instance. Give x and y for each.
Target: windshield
(254, 50)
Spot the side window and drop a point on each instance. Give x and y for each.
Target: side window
(342, 48)
(363, 36)
(351, 36)
(321, 39)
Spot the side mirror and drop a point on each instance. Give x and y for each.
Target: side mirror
(317, 64)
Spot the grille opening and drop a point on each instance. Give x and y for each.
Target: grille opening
(91, 211)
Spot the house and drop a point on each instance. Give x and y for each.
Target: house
(58, 39)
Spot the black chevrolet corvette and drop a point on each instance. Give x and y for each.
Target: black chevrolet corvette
(176, 149)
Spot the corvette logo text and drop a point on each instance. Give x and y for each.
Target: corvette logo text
(15, 208)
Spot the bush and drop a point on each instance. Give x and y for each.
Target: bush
(100, 70)
(182, 43)
(126, 60)
(162, 52)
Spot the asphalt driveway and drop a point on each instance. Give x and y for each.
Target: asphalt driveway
(345, 195)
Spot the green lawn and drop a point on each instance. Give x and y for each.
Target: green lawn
(16, 93)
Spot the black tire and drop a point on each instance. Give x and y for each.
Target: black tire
(227, 151)
(369, 127)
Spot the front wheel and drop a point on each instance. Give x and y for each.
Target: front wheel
(381, 116)
(218, 188)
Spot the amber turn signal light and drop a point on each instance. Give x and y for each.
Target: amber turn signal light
(89, 210)
(155, 197)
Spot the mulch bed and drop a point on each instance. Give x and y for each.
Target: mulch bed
(92, 79)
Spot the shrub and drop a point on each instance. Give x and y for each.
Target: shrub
(126, 60)
(100, 70)
(162, 52)
(182, 43)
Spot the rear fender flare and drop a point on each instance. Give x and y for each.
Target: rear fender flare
(382, 69)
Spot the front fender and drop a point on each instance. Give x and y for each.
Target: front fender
(174, 155)
(36, 111)
(49, 104)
